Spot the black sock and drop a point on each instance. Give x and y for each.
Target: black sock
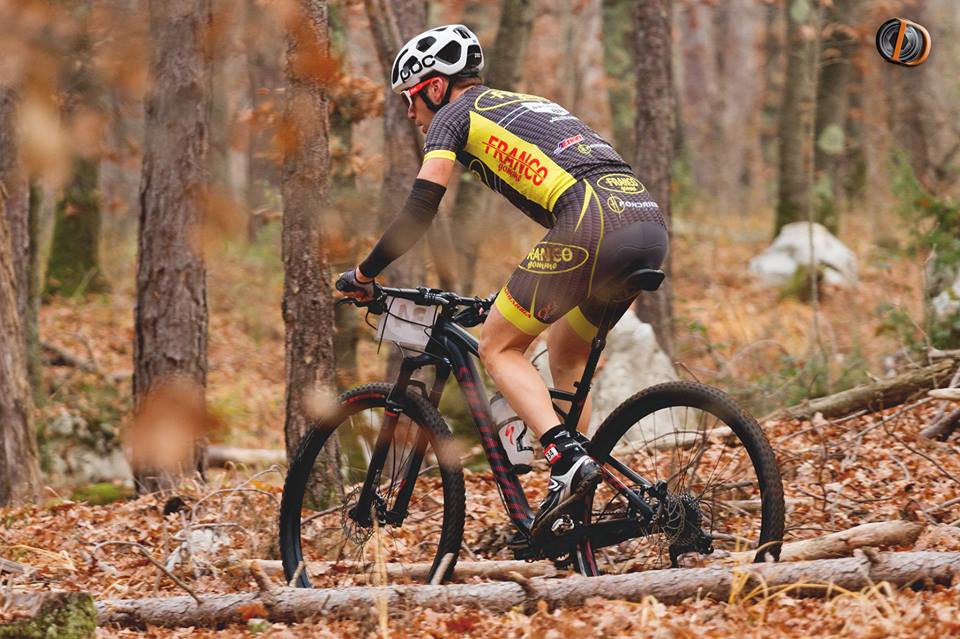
(560, 449)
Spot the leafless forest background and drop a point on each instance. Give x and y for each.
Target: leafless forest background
(876, 152)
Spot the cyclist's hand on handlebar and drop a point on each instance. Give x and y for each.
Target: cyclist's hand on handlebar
(351, 286)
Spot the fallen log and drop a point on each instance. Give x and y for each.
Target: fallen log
(943, 427)
(876, 396)
(952, 394)
(845, 542)
(419, 571)
(219, 456)
(288, 605)
(38, 615)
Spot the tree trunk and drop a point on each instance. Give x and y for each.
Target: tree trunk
(419, 571)
(171, 313)
(19, 472)
(15, 191)
(795, 181)
(773, 72)
(805, 578)
(307, 295)
(264, 50)
(32, 316)
(74, 264)
(393, 22)
(619, 59)
(73, 267)
(502, 70)
(833, 100)
(655, 127)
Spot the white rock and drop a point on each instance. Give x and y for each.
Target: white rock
(776, 265)
(632, 361)
(945, 304)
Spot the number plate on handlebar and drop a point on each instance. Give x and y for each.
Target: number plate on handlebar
(406, 323)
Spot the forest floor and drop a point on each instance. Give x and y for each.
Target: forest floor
(768, 349)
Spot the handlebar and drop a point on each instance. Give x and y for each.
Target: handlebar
(474, 309)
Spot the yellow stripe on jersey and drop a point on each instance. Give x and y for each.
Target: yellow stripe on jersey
(519, 163)
(514, 313)
(440, 154)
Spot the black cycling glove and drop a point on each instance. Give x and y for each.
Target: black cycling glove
(349, 285)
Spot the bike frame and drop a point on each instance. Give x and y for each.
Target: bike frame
(452, 349)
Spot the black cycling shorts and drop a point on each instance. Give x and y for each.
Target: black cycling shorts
(605, 225)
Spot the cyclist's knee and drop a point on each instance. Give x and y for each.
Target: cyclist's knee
(500, 337)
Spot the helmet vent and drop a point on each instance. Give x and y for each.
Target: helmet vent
(450, 53)
(463, 33)
(426, 43)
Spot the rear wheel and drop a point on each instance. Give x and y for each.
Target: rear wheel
(325, 544)
(722, 496)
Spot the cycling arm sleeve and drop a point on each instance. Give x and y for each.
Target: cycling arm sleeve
(405, 229)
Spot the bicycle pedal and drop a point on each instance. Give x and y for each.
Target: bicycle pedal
(562, 525)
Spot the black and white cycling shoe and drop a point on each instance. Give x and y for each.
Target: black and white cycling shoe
(582, 477)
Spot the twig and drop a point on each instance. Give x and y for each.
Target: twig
(146, 553)
(263, 582)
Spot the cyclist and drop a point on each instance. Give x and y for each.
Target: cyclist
(564, 176)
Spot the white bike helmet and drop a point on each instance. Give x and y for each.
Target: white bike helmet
(449, 50)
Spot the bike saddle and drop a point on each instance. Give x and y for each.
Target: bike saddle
(631, 282)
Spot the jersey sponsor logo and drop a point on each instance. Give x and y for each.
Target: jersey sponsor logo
(519, 165)
(549, 108)
(495, 99)
(565, 143)
(621, 183)
(550, 258)
(583, 149)
(618, 205)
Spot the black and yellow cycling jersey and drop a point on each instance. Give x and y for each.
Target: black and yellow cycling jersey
(526, 147)
(563, 175)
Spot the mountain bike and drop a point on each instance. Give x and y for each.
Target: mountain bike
(685, 470)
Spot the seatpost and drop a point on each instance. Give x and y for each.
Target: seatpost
(583, 386)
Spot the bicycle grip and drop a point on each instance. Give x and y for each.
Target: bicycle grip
(345, 287)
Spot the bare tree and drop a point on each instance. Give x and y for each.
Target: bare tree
(833, 101)
(19, 472)
(74, 263)
(307, 295)
(264, 78)
(795, 181)
(16, 194)
(655, 127)
(619, 58)
(392, 23)
(171, 312)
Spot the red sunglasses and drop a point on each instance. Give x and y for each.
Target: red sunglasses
(414, 90)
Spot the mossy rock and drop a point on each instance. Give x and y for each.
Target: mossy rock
(102, 493)
(53, 615)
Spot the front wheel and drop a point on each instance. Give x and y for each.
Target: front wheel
(410, 526)
(719, 486)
